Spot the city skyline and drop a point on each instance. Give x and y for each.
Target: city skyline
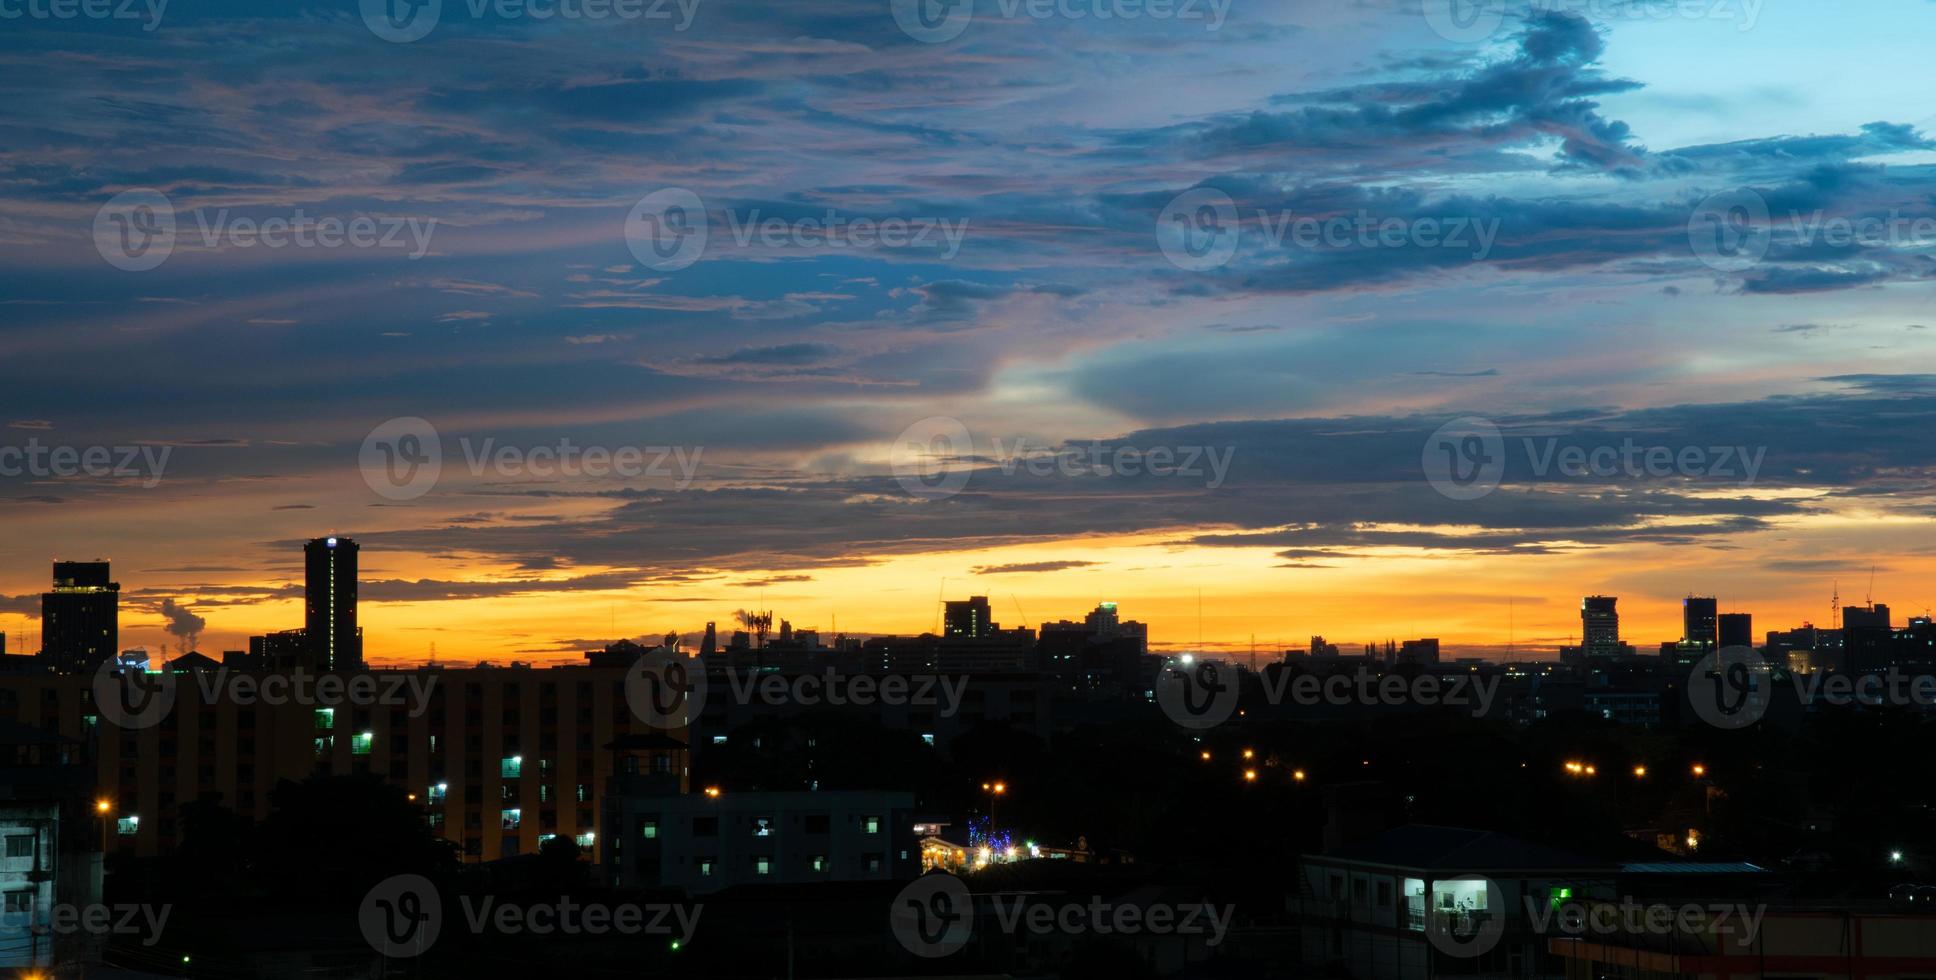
(182, 628)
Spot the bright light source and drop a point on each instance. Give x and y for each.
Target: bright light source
(1895, 857)
(1298, 775)
(1250, 753)
(101, 806)
(1188, 659)
(1700, 770)
(1250, 775)
(1206, 756)
(712, 791)
(1640, 772)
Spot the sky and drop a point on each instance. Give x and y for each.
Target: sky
(1259, 319)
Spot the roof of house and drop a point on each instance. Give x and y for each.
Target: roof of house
(1427, 847)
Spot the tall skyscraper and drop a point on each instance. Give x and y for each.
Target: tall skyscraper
(1698, 623)
(1736, 630)
(968, 618)
(329, 600)
(80, 619)
(1600, 626)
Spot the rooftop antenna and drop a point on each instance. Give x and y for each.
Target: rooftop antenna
(1018, 609)
(940, 597)
(1869, 599)
(1835, 606)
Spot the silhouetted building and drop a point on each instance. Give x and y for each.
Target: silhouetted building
(81, 617)
(280, 651)
(1600, 626)
(1735, 629)
(329, 597)
(968, 618)
(1699, 628)
(1424, 651)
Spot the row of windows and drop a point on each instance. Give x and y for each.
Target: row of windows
(812, 823)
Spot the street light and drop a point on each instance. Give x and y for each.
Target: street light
(995, 792)
(102, 807)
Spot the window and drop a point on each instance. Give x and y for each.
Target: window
(127, 826)
(873, 862)
(512, 817)
(584, 792)
(586, 839)
(649, 829)
(873, 824)
(325, 744)
(928, 737)
(762, 865)
(20, 846)
(437, 792)
(510, 767)
(719, 740)
(762, 826)
(360, 743)
(325, 719)
(1384, 894)
(818, 862)
(705, 867)
(20, 903)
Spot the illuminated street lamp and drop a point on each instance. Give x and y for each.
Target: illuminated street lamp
(1298, 775)
(1699, 770)
(1250, 775)
(995, 791)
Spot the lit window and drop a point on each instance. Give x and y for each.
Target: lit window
(705, 867)
(586, 839)
(873, 825)
(437, 792)
(127, 826)
(762, 826)
(762, 865)
(325, 719)
(719, 740)
(512, 817)
(819, 862)
(928, 737)
(511, 767)
(324, 746)
(650, 829)
(360, 743)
